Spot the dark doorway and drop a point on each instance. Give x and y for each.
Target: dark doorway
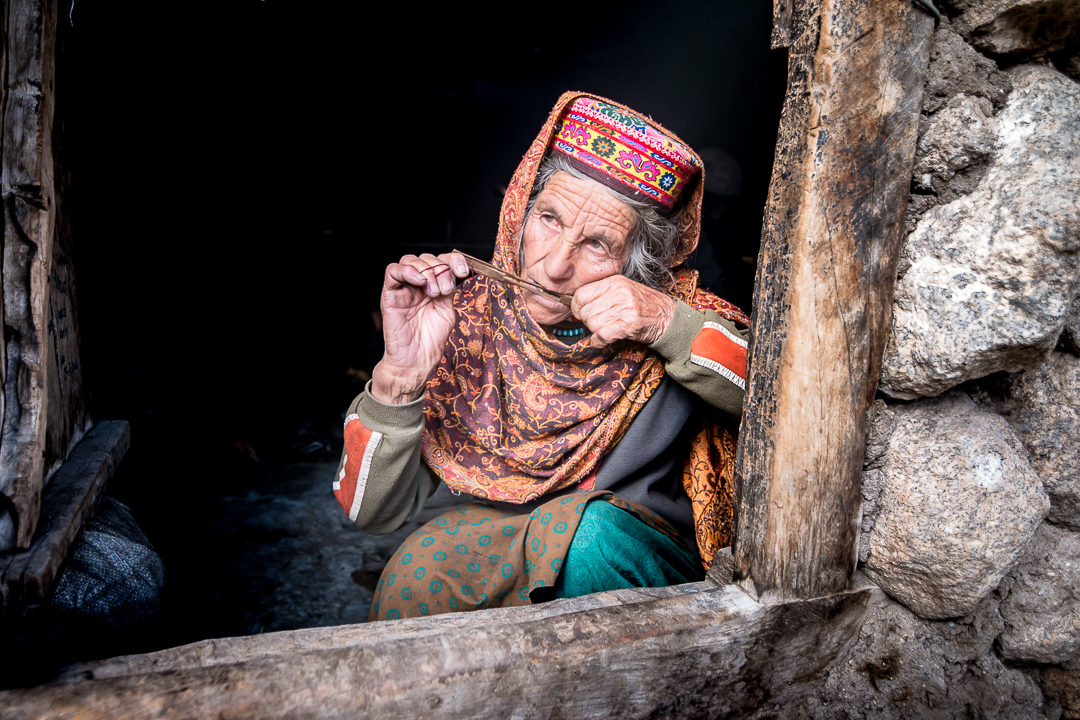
(241, 177)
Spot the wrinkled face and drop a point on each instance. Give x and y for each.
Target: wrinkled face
(575, 235)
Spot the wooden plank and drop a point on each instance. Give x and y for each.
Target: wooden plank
(824, 289)
(695, 651)
(227, 651)
(67, 503)
(26, 134)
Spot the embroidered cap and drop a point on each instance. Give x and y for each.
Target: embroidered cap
(625, 152)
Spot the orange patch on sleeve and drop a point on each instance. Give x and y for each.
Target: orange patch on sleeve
(358, 438)
(722, 351)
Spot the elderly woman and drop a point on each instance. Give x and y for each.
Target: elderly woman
(581, 440)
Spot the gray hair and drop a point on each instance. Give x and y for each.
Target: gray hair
(651, 244)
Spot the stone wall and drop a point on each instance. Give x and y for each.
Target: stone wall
(971, 490)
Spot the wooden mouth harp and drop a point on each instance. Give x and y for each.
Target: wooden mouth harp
(488, 270)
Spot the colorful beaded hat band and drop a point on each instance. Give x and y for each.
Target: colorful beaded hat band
(624, 152)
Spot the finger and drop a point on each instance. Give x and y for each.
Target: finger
(440, 279)
(441, 274)
(457, 263)
(591, 310)
(423, 264)
(582, 310)
(584, 304)
(608, 334)
(399, 275)
(598, 341)
(583, 296)
(608, 326)
(604, 293)
(595, 325)
(426, 273)
(404, 272)
(447, 281)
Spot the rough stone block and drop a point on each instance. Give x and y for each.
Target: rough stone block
(957, 69)
(1043, 406)
(956, 504)
(903, 667)
(961, 135)
(986, 281)
(1041, 600)
(1019, 29)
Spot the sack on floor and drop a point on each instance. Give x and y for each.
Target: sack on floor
(114, 578)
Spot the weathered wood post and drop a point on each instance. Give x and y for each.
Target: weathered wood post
(824, 287)
(43, 405)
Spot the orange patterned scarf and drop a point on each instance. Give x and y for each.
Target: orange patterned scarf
(512, 414)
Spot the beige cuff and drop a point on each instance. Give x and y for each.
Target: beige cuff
(380, 417)
(674, 344)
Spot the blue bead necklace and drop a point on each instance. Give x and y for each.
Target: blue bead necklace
(568, 332)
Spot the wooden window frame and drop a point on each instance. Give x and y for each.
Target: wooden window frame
(788, 599)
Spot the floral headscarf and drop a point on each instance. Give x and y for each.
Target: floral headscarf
(511, 413)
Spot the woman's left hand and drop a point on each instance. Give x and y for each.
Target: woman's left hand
(617, 308)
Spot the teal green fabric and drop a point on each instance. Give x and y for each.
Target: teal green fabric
(612, 549)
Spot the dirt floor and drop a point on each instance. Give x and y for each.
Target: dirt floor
(285, 556)
(280, 556)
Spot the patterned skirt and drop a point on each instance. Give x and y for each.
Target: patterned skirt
(476, 557)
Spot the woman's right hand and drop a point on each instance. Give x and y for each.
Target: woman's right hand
(418, 315)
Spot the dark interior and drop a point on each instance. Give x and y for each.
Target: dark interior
(243, 172)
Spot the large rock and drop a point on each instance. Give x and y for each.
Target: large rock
(955, 504)
(902, 667)
(1019, 29)
(986, 281)
(1041, 600)
(960, 136)
(1043, 406)
(957, 69)
(951, 159)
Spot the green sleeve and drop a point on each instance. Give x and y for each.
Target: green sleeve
(398, 482)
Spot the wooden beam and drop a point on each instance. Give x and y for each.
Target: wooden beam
(688, 651)
(824, 288)
(27, 578)
(25, 131)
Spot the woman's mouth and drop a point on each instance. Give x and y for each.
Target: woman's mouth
(531, 279)
(549, 303)
(545, 310)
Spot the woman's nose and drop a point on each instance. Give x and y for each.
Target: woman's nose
(559, 264)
